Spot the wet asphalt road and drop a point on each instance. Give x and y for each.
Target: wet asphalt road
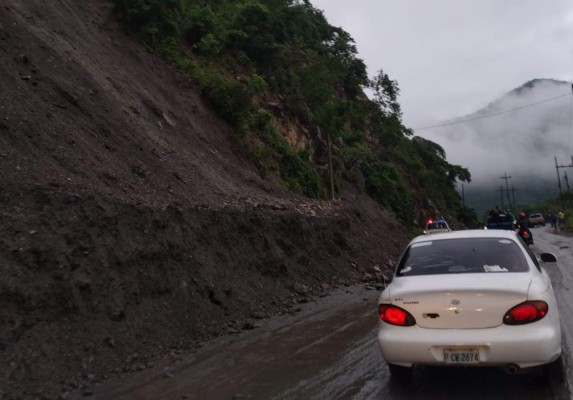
(328, 351)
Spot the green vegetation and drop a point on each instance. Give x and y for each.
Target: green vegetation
(277, 65)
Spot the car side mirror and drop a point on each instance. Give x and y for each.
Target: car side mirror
(548, 258)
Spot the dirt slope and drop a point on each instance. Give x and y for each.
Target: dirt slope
(129, 227)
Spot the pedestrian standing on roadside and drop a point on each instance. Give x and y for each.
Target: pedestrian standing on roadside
(561, 216)
(553, 220)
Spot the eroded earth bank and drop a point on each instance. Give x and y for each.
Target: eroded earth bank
(130, 228)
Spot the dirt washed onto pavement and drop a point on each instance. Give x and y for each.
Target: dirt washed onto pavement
(129, 228)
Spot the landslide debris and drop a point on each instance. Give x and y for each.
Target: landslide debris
(130, 228)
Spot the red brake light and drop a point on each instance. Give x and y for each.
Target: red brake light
(395, 315)
(525, 313)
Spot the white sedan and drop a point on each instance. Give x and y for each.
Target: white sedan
(470, 298)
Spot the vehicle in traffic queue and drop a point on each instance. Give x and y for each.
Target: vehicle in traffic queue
(536, 219)
(525, 233)
(470, 298)
(523, 230)
(439, 226)
(503, 221)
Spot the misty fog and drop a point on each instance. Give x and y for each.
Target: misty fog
(522, 144)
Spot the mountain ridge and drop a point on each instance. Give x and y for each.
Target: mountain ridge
(529, 127)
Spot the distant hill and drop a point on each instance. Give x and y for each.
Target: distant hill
(519, 134)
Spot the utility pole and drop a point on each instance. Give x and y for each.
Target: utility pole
(513, 190)
(329, 144)
(501, 192)
(330, 168)
(506, 178)
(330, 172)
(557, 167)
(463, 197)
(558, 176)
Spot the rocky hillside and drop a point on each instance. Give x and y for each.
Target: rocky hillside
(130, 226)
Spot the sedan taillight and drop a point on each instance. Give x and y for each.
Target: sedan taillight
(395, 315)
(525, 313)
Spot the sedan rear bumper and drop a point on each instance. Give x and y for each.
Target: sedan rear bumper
(526, 345)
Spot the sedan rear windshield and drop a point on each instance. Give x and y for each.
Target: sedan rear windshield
(458, 256)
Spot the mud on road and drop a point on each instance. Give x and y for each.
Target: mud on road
(329, 351)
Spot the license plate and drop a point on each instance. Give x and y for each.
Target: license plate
(461, 356)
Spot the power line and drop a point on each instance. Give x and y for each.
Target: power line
(491, 115)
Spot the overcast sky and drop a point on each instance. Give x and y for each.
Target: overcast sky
(453, 57)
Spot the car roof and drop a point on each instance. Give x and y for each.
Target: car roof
(440, 224)
(467, 234)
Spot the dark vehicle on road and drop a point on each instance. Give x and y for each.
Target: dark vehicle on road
(523, 231)
(503, 221)
(525, 234)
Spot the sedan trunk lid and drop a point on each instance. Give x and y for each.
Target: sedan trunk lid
(460, 301)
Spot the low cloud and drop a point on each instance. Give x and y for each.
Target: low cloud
(522, 143)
